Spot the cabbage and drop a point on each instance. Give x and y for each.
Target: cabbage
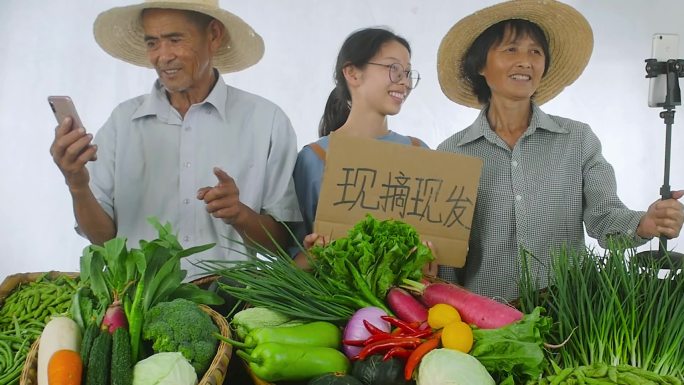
(452, 367)
(256, 317)
(169, 368)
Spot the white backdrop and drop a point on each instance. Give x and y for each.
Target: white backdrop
(48, 48)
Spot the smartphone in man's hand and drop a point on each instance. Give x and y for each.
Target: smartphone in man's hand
(63, 107)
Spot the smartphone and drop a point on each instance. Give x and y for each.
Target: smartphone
(664, 47)
(63, 107)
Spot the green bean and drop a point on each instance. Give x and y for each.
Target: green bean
(562, 376)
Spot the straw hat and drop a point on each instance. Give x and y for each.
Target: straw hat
(568, 32)
(119, 32)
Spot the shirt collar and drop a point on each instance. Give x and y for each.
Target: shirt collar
(158, 104)
(481, 128)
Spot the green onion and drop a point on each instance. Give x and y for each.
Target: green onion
(275, 282)
(617, 310)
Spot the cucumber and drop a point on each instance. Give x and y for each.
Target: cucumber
(99, 360)
(91, 332)
(122, 367)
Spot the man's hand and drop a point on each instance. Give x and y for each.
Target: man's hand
(223, 200)
(663, 218)
(71, 150)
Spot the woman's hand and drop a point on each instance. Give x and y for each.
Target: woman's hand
(314, 239)
(663, 218)
(301, 259)
(430, 268)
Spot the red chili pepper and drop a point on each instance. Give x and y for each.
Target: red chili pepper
(397, 332)
(354, 342)
(372, 329)
(418, 354)
(403, 325)
(397, 351)
(377, 337)
(420, 334)
(381, 346)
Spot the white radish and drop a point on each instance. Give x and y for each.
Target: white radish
(60, 333)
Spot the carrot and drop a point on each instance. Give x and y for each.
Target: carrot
(65, 368)
(483, 312)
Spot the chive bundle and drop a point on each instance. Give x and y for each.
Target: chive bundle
(275, 282)
(616, 309)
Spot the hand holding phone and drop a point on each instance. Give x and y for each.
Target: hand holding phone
(63, 107)
(664, 47)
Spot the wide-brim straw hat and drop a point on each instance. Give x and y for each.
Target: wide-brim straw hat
(119, 32)
(569, 34)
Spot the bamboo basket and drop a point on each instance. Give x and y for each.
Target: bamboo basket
(213, 376)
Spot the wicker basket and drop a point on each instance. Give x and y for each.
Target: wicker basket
(213, 376)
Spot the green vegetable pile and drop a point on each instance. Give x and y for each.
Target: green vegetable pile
(514, 354)
(601, 374)
(181, 326)
(374, 256)
(23, 316)
(615, 309)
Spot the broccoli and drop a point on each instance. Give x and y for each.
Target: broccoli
(181, 326)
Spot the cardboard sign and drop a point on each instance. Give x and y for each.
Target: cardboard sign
(433, 191)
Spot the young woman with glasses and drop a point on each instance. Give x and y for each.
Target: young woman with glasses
(373, 78)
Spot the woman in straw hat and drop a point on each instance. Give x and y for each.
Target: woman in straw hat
(544, 176)
(157, 151)
(373, 78)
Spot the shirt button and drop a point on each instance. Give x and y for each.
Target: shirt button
(187, 165)
(518, 198)
(186, 238)
(514, 163)
(186, 201)
(188, 128)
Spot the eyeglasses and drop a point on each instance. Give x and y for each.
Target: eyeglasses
(397, 73)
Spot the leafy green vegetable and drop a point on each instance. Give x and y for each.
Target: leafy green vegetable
(514, 352)
(383, 253)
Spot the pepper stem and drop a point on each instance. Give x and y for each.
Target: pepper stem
(237, 344)
(245, 356)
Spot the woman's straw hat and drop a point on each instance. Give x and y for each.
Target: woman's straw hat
(568, 32)
(119, 32)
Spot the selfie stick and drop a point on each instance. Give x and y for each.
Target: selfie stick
(674, 69)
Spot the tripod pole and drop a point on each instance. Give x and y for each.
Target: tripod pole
(665, 190)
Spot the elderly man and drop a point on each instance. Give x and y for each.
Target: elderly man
(211, 159)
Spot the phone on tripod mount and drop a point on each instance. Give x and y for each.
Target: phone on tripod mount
(664, 46)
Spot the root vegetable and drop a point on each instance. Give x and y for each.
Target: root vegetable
(483, 312)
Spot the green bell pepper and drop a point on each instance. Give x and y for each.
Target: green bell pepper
(319, 333)
(281, 362)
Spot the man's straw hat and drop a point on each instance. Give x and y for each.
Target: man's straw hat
(568, 32)
(119, 32)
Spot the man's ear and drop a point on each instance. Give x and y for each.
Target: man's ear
(352, 75)
(216, 32)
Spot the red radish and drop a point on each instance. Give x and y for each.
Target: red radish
(406, 306)
(474, 309)
(114, 318)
